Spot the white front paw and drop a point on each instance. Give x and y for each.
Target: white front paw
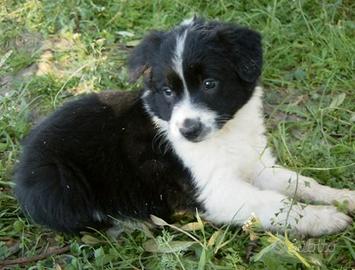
(346, 196)
(321, 220)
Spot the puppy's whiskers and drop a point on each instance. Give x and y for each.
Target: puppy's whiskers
(160, 142)
(222, 119)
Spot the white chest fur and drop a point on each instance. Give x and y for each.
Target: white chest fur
(236, 176)
(224, 165)
(231, 154)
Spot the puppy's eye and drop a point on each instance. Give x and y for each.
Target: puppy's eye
(210, 84)
(167, 92)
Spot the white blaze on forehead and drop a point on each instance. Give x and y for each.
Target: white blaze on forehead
(177, 61)
(188, 22)
(185, 109)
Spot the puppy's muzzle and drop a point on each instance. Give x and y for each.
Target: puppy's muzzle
(192, 129)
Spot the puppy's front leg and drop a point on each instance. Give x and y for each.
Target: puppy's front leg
(236, 201)
(305, 188)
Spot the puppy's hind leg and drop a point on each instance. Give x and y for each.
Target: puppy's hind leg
(55, 195)
(270, 176)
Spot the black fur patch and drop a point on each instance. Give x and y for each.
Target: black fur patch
(96, 155)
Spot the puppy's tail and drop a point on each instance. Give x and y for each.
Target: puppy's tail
(55, 195)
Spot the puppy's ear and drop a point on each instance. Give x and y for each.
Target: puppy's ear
(141, 58)
(244, 48)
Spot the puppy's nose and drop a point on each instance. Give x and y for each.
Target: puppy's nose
(191, 128)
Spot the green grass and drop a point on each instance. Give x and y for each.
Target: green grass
(52, 50)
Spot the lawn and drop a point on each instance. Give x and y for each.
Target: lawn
(51, 51)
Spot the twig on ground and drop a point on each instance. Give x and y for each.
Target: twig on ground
(27, 260)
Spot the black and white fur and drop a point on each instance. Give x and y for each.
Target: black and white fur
(192, 138)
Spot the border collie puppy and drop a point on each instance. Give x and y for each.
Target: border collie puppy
(193, 138)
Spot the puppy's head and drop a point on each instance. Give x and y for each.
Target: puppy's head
(197, 76)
